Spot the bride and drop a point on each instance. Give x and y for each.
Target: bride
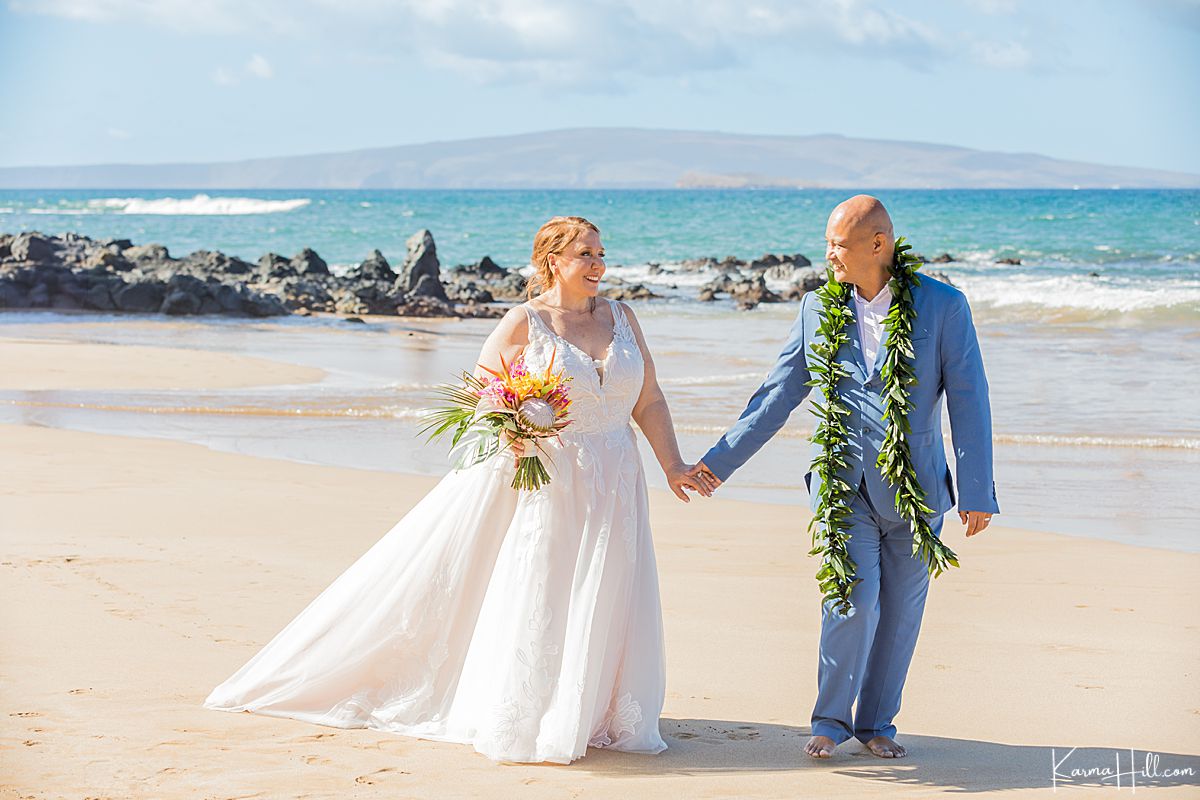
(527, 624)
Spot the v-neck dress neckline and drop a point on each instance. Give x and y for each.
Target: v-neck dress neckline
(602, 363)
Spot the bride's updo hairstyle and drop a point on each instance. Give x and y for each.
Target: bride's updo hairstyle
(552, 239)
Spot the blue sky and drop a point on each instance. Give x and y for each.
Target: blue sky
(98, 81)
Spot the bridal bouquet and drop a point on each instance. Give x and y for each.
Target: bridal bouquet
(513, 405)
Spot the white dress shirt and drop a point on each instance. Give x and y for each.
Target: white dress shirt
(869, 315)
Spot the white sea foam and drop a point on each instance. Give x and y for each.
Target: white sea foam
(713, 380)
(642, 273)
(1144, 442)
(200, 204)
(1099, 294)
(399, 386)
(1008, 288)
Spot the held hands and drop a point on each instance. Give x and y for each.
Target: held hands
(975, 521)
(696, 477)
(701, 475)
(678, 478)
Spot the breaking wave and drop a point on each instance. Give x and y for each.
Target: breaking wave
(201, 205)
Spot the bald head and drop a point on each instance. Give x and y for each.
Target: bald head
(863, 215)
(859, 241)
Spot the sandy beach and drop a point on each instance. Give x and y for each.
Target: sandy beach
(139, 573)
(35, 364)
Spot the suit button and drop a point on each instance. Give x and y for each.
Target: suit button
(866, 430)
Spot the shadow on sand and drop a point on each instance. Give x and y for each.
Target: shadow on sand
(705, 746)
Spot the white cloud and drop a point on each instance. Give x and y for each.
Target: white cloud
(1002, 55)
(206, 16)
(256, 67)
(995, 7)
(582, 44)
(223, 76)
(259, 67)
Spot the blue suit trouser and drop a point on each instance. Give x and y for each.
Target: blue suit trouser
(865, 654)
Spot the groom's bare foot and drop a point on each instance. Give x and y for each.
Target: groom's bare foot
(820, 747)
(886, 747)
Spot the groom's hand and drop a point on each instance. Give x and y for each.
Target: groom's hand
(705, 477)
(975, 521)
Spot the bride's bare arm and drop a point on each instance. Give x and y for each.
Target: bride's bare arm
(653, 416)
(507, 339)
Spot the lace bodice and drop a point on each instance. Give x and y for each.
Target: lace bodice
(600, 400)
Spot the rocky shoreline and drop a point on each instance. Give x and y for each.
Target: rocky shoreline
(75, 272)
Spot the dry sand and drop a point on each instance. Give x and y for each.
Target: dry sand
(35, 364)
(137, 574)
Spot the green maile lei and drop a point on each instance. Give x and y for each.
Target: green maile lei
(829, 528)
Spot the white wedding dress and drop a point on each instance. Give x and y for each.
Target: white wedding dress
(527, 624)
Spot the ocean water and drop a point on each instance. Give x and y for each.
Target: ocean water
(1143, 246)
(1091, 343)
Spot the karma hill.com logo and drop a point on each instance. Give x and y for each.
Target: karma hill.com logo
(1121, 769)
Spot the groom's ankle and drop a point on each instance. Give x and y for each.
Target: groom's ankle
(830, 732)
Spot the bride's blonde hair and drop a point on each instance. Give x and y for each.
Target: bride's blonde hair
(551, 239)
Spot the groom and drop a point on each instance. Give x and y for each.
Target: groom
(865, 653)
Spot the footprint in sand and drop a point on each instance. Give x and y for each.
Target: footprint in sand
(80, 691)
(712, 735)
(25, 714)
(316, 737)
(316, 760)
(743, 733)
(373, 777)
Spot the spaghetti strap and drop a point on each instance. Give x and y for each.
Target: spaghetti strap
(620, 321)
(535, 320)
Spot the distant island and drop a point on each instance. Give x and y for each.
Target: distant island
(619, 158)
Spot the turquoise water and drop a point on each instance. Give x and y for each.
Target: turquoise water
(1153, 232)
(1143, 244)
(1094, 387)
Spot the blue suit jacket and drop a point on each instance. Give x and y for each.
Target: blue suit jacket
(947, 363)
